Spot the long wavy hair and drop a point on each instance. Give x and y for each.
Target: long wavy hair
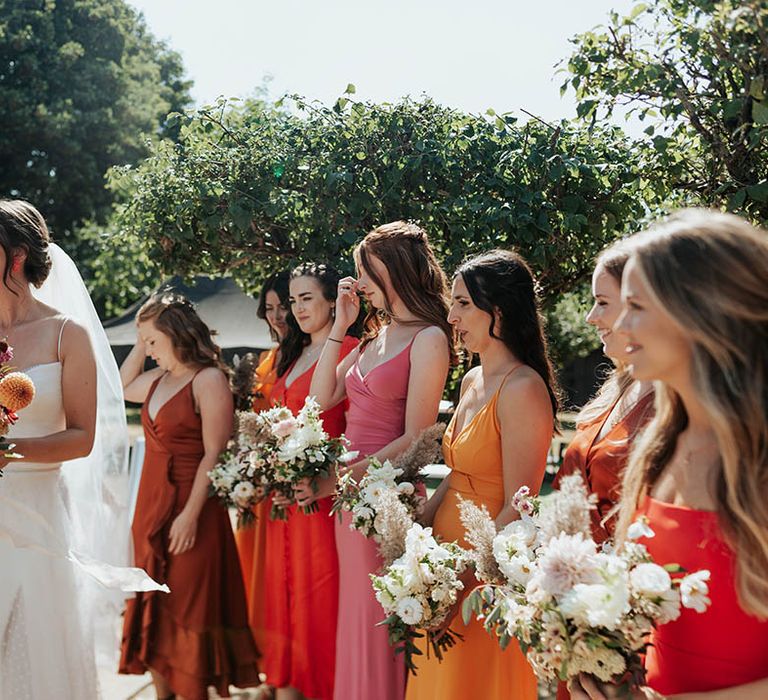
(277, 282)
(618, 380)
(415, 276)
(296, 339)
(175, 316)
(708, 271)
(500, 280)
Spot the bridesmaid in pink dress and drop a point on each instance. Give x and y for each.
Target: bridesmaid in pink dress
(393, 384)
(695, 322)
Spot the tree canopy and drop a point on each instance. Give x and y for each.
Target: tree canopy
(697, 72)
(245, 191)
(83, 86)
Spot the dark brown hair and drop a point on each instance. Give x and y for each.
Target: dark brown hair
(175, 316)
(500, 280)
(277, 283)
(22, 227)
(415, 274)
(296, 339)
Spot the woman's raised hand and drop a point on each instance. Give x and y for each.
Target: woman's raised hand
(347, 304)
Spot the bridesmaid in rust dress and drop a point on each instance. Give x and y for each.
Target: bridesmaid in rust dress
(608, 424)
(197, 635)
(273, 307)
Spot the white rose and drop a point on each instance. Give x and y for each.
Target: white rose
(597, 604)
(243, 494)
(410, 610)
(650, 579)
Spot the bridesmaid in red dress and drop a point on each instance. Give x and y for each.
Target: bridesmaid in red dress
(695, 320)
(301, 584)
(607, 425)
(273, 307)
(197, 635)
(393, 385)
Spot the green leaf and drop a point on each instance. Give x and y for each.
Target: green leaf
(637, 10)
(759, 192)
(756, 88)
(759, 113)
(351, 89)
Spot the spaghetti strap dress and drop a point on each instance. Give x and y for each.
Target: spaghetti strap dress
(366, 665)
(301, 578)
(197, 635)
(475, 667)
(720, 648)
(602, 461)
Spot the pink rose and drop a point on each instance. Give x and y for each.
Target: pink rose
(285, 427)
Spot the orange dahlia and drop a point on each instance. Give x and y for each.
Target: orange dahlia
(16, 391)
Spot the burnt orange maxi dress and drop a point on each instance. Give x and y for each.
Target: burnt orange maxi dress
(475, 667)
(601, 463)
(301, 583)
(251, 539)
(197, 635)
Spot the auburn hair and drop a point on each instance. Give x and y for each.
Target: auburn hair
(415, 276)
(175, 316)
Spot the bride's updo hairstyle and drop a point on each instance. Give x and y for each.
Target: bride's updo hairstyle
(175, 316)
(22, 227)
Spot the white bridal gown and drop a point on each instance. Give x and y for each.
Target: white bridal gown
(44, 649)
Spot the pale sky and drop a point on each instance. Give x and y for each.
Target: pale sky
(468, 55)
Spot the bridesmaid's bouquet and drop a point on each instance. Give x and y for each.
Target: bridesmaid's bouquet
(371, 501)
(572, 607)
(16, 392)
(276, 450)
(419, 590)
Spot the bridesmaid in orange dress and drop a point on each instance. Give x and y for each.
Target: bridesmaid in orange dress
(496, 442)
(607, 425)
(302, 581)
(273, 307)
(695, 321)
(197, 635)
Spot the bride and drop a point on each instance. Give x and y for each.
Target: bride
(63, 518)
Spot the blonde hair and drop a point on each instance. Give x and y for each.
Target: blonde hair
(618, 380)
(708, 271)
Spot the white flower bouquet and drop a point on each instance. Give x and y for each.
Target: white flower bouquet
(275, 451)
(418, 590)
(572, 607)
(371, 501)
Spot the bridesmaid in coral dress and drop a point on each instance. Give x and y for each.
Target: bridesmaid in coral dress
(393, 385)
(197, 635)
(497, 442)
(273, 307)
(608, 424)
(302, 580)
(695, 321)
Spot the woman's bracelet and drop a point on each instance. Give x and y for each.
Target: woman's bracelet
(334, 340)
